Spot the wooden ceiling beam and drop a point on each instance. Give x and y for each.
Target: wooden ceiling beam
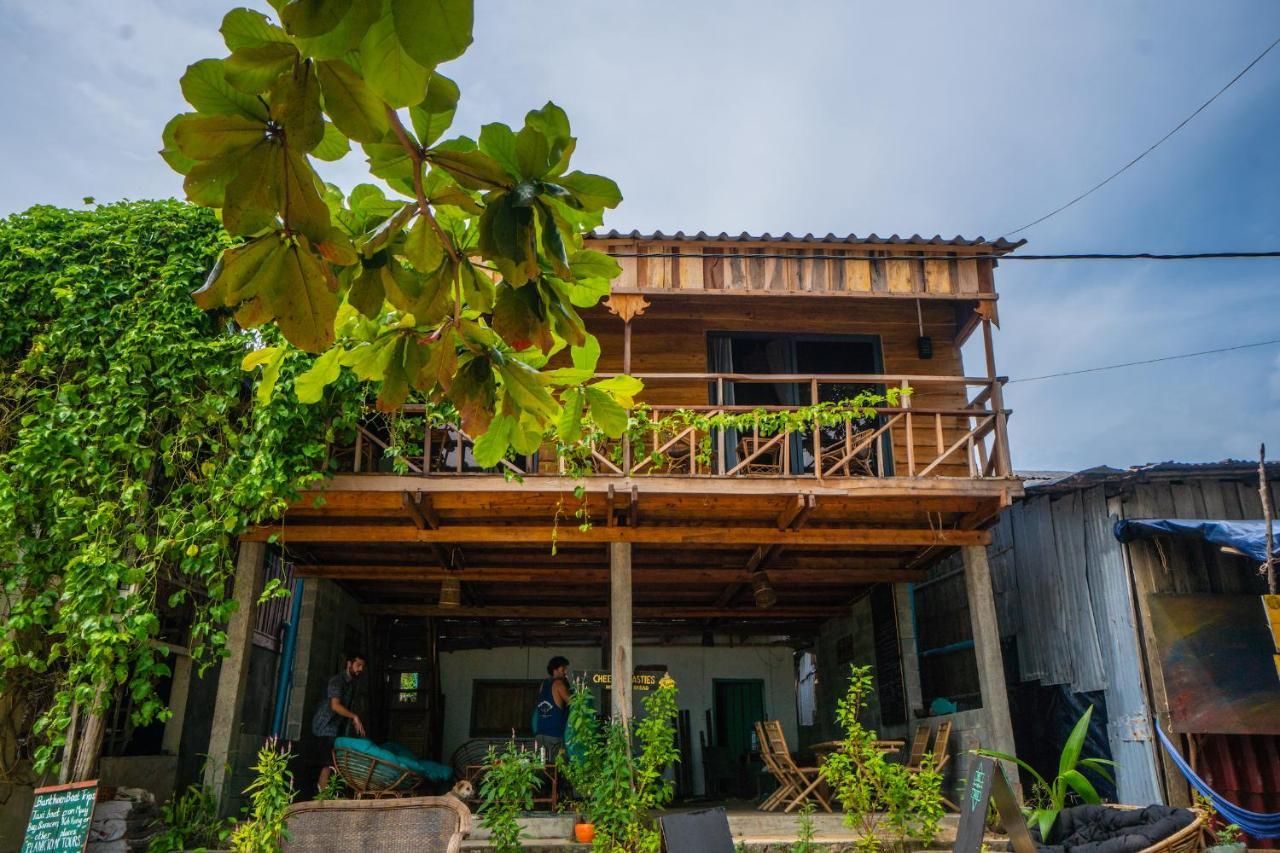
(641, 576)
(710, 535)
(420, 510)
(534, 611)
(792, 517)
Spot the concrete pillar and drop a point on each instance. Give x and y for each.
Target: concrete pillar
(225, 733)
(986, 648)
(621, 660)
(172, 739)
(908, 649)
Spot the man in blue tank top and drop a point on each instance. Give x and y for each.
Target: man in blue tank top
(552, 710)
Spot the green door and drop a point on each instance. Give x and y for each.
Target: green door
(738, 703)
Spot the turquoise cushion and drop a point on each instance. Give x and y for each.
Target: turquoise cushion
(396, 753)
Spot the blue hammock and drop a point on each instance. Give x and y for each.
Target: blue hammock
(1254, 823)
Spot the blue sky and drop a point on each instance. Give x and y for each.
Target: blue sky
(835, 116)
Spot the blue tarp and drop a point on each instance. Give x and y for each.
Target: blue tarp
(1247, 536)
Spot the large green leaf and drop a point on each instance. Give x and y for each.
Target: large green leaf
(334, 145)
(587, 264)
(389, 161)
(295, 106)
(252, 196)
(587, 356)
(1082, 786)
(477, 288)
(310, 18)
(532, 151)
(353, 106)
(605, 411)
(205, 87)
(474, 170)
(507, 237)
(207, 137)
(518, 316)
(499, 142)
(253, 69)
(432, 117)
(311, 383)
(554, 125)
(1075, 743)
(206, 182)
(179, 162)
(593, 192)
(569, 425)
(300, 202)
(388, 229)
(440, 366)
(489, 448)
(270, 359)
(622, 388)
(368, 292)
(346, 34)
(304, 299)
(422, 246)
(389, 71)
(247, 28)
(475, 395)
(229, 283)
(524, 387)
(433, 31)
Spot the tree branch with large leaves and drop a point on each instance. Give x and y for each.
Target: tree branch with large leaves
(460, 285)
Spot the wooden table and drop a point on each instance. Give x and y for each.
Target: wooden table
(550, 772)
(829, 746)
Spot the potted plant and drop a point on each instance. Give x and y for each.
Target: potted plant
(1069, 778)
(1228, 839)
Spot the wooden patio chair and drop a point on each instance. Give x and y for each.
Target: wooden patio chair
(919, 744)
(940, 754)
(769, 460)
(805, 780)
(786, 785)
(859, 464)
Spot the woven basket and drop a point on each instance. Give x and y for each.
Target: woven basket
(409, 825)
(1189, 839)
(374, 777)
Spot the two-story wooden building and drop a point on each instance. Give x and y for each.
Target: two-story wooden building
(724, 568)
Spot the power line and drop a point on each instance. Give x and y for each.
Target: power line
(1157, 144)
(1145, 361)
(1076, 256)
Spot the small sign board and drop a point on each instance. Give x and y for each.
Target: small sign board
(60, 818)
(704, 831)
(641, 682)
(987, 783)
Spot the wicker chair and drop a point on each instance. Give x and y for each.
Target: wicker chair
(1189, 839)
(417, 824)
(374, 778)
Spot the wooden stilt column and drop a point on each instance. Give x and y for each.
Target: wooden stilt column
(986, 647)
(225, 732)
(620, 626)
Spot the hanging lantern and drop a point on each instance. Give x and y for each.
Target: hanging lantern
(450, 592)
(763, 591)
(924, 343)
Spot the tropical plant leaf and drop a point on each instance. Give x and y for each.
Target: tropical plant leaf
(434, 115)
(333, 146)
(433, 31)
(310, 18)
(205, 87)
(490, 447)
(310, 384)
(389, 71)
(346, 34)
(569, 426)
(254, 68)
(592, 192)
(474, 170)
(422, 246)
(1082, 786)
(606, 412)
(246, 28)
(1075, 743)
(355, 109)
(270, 359)
(295, 106)
(201, 137)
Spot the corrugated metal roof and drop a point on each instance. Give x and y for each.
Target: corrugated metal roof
(999, 245)
(1103, 474)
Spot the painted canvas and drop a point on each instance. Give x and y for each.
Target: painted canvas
(1216, 655)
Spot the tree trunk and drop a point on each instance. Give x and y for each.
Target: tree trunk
(84, 764)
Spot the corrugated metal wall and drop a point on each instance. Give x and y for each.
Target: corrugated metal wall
(1062, 591)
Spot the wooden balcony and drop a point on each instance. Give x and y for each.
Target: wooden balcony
(916, 439)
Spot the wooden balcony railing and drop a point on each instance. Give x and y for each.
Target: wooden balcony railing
(947, 426)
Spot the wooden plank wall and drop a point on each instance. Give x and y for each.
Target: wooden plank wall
(671, 337)
(809, 268)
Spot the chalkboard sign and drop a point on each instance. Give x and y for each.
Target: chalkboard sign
(704, 831)
(987, 783)
(60, 818)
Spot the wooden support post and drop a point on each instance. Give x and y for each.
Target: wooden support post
(620, 660)
(178, 692)
(1000, 445)
(227, 717)
(986, 647)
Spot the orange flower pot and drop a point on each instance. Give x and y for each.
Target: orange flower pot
(584, 832)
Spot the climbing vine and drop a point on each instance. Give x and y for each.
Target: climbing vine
(131, 455)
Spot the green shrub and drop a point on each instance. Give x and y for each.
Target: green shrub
(270, 793)
(506, 792)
